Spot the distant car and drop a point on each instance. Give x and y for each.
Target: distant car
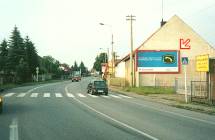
(76, 78)
(1, 104)
(97, 87)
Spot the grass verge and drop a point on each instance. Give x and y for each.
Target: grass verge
(150, 90)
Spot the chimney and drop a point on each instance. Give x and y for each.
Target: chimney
(162, 22)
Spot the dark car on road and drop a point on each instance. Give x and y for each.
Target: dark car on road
(97, 87)
(1, 104)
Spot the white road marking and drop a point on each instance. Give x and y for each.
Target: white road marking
(114, 120)
(34, 95)
(70, 95)
(115, 96)
(125, 96)
(9, 94)
(94, 96)
(14, 130)
(21, 95)
(46, 95)
(105, 96)
(81, 95)
(58, 95)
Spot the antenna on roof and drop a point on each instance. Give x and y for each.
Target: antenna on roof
(162, 21)
(162, 9)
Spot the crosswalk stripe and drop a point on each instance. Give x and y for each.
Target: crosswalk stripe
(9, 94)
(34, 95)
(105, 96)
(115, 96)
(81, 95)
(125, 96)
(58, 95)
(21, 95)
(94, 96)
(70, 95)
(46, 95)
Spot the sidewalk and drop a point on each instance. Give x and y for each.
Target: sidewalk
(175, 100)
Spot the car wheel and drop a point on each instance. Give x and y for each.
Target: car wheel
(106, 93)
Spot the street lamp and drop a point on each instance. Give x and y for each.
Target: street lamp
(112, 53)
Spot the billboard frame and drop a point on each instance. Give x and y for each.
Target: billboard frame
(179, 61)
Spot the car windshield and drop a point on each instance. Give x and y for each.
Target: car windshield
(100, 84)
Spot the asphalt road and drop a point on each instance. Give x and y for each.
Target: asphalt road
(64, 111)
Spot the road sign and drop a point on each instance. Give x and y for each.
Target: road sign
(184, 60)
(202, 63)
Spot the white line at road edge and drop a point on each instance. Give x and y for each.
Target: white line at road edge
(14, 130)
(173, 113)
(114, 120)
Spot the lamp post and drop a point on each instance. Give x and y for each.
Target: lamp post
(112, 53)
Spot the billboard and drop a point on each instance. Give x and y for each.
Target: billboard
(164, 61)
(202, 63)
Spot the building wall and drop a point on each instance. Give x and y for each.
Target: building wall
(120, 70)
(128, 72)
(168, 38)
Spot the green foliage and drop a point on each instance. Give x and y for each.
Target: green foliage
(75, 67)
(102, 58)
(82, 68)
(16, 50)
(50, 65)
(31, 56)
(3, 55)
(22, 72)
(19, 59)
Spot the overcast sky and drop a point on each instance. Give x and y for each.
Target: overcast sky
(69, 30)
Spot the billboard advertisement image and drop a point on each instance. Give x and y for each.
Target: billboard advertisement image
(164, 61)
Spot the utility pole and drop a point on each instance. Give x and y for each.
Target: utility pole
(113, 65)
(131, 18)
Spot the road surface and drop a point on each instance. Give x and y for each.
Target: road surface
(64, 111)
